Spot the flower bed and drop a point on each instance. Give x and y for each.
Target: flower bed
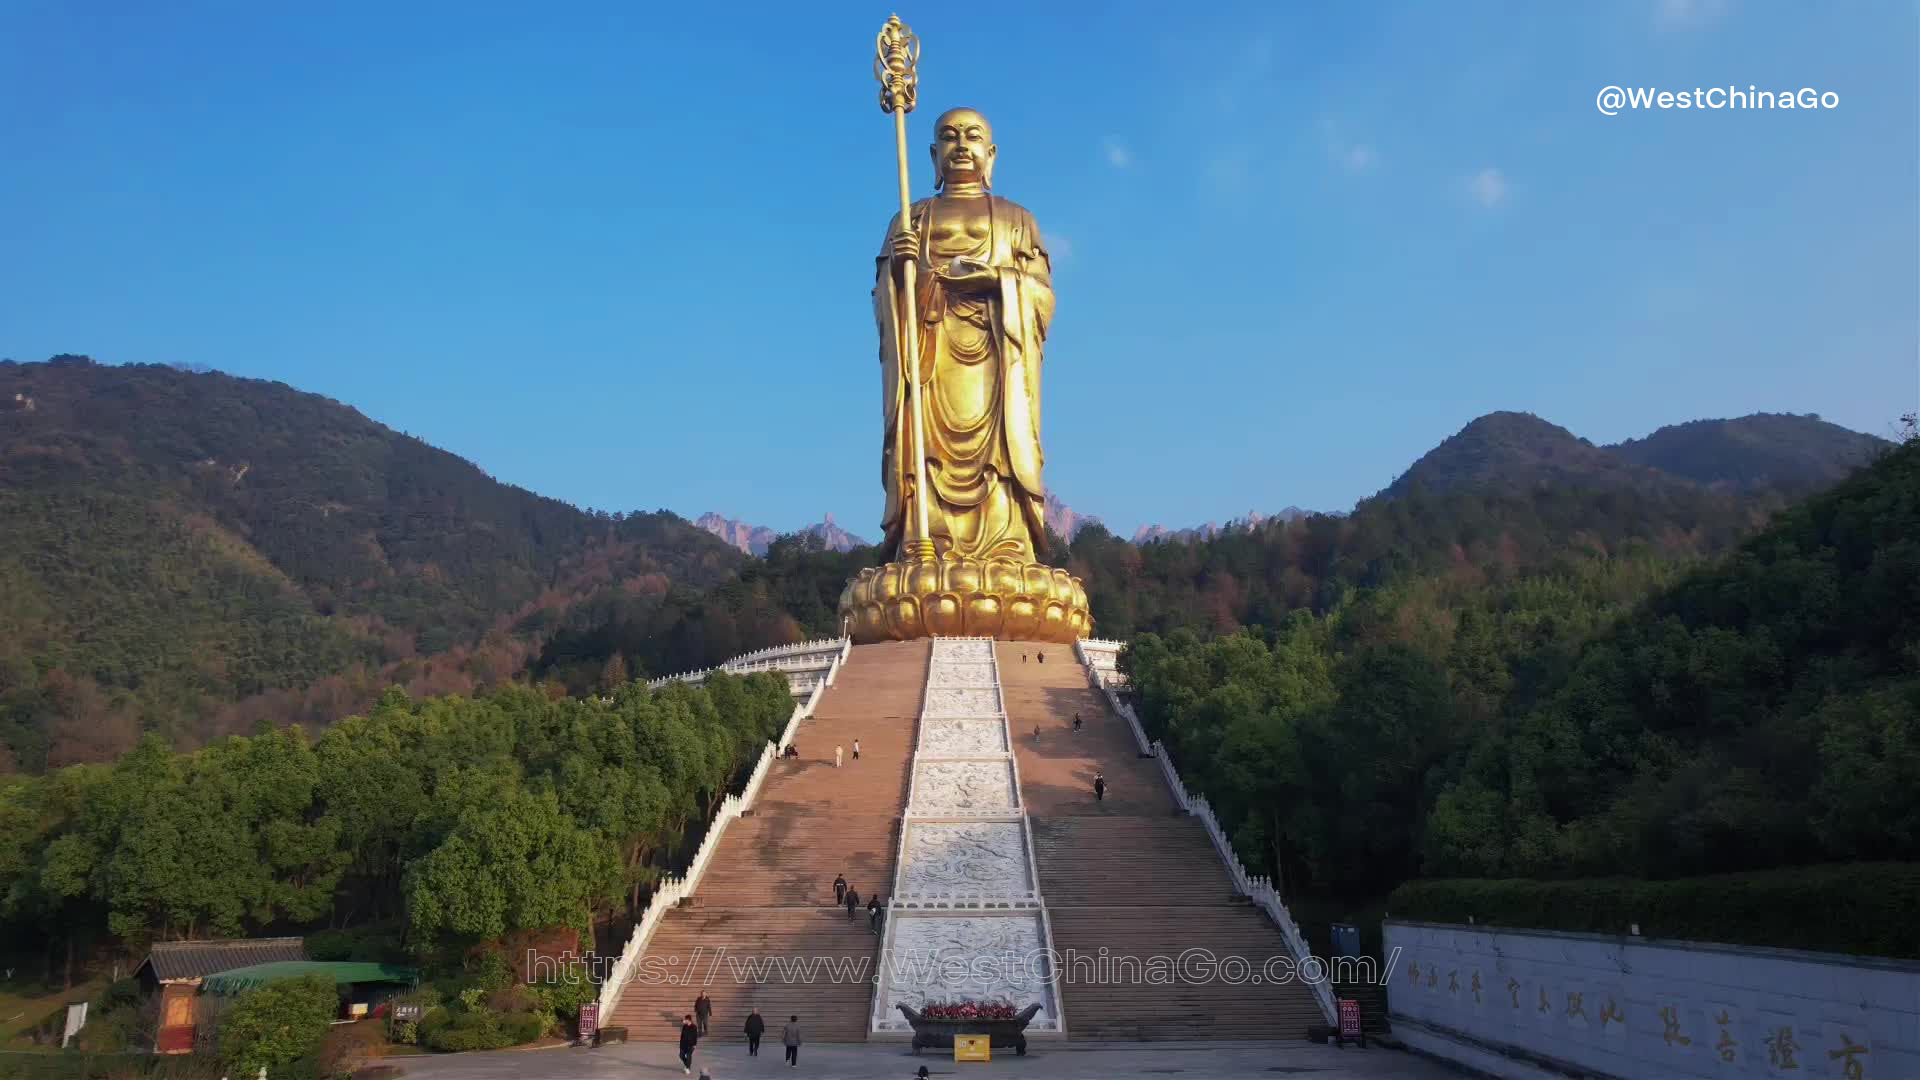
(937, 1026)
(969, 1010)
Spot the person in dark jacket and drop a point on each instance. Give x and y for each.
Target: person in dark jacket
(689, 1038)
(1099, 788)
(853, 903)
(839, 889)
(1076, 721)
(756, 1027)
(703, 1011)
(873, 913)
(791, 1037)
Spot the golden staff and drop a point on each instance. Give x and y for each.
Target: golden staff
(896, 56)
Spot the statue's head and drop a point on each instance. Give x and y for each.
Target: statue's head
(963, 148)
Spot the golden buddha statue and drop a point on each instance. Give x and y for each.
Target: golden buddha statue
(981, 302)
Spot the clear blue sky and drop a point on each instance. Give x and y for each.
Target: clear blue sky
(620, 253)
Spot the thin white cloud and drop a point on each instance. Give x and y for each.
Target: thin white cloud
(1348, 154)
(1489, 187)
(1359, 158)
(1688, 14)
(1059, 247)
(1118, 154)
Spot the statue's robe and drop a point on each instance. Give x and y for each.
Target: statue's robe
(980, 359)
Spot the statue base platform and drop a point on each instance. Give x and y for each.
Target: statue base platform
(962, 597)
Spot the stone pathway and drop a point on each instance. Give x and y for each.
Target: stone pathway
(891, 1061)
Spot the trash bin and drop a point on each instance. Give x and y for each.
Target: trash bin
(1346, 939)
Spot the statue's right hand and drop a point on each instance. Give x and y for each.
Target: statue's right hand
(906, 246)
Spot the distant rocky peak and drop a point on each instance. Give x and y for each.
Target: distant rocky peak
(756, 539)
(1064, 520)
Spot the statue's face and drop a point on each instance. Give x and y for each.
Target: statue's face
(963, 147)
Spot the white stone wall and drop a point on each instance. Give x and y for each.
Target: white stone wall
(1629, 1007)
(983, 857)
(987, 957)
(966, 920)
(955, 787)
(963, 738)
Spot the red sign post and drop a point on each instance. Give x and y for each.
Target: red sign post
(1350, 1024)
(589, 1021)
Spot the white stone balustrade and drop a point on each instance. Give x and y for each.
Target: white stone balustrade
(806, 655)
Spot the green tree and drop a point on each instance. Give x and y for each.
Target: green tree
(514, 862)
(272, 1026)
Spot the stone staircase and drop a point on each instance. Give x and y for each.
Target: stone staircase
(767, 896)
(1131, 874)
(1134, 876)
(1056, 769)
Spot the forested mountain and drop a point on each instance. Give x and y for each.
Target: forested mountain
(172, 542)
(1794, 455)
(791, 594)
(198, 554)
(1257, 576)
(1512, 452)
(1617, 707)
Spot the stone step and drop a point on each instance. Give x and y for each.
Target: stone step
(1126, 1000)
(1155, 861)
(1057, 769)
(765, 899)
(1134, 876)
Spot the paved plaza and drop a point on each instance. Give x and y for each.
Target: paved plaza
(891, 1061)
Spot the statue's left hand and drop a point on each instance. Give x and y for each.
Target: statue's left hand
(970, 278)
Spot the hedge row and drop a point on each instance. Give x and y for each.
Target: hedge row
(1861, 908)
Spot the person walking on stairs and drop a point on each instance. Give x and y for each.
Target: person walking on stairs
(756, 1027)
(791, 1038)
(703, 1011)
(839, 889)
(853, 903)
(856, 749)
(838, 753)
(1040, 656)
(1036, 734)
(873, 913)
(1099, 787)
(1076, 722)
(689, 1038)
